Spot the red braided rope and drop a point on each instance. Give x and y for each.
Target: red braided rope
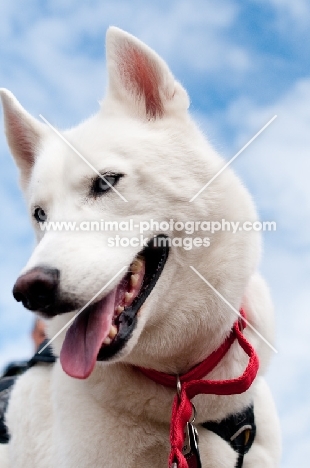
(192, 385)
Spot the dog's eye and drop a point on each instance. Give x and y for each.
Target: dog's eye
(39, 215)
(105, 182)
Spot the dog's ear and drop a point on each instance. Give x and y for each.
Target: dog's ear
(23, 133)
(139, 79)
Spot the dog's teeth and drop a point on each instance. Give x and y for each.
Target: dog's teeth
(107, 340)
(112, 332)
(136, 265)
(128, 297)
(134, 280)
(119, 310)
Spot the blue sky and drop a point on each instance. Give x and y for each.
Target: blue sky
(242, 62)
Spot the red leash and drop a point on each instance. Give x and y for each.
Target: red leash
(192, 385)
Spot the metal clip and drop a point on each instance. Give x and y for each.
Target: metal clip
(194, 414)
(179, 387)
(190, 448)
(191, 434)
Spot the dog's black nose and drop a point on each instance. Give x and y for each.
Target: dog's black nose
(37, 288)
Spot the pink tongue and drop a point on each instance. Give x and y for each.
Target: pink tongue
(85, 336)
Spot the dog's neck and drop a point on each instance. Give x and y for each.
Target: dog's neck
(194, 383)
(154, 401)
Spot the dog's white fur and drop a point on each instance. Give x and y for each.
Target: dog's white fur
(117, 417)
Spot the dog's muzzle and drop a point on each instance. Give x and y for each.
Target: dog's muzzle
(101, 329)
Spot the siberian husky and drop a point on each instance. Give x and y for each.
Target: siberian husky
(135, 313)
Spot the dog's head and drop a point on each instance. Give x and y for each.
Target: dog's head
(140, 159)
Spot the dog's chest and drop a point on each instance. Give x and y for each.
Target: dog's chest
(101, 439)
(89, 432)
(68, 427)
(95, 437)
(92, 436)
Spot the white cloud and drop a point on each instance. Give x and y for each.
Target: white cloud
(294, 13)
(277, 164)
(42, 46)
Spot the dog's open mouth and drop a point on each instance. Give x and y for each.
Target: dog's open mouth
(103, 328)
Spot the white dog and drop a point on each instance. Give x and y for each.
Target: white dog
(156, 308)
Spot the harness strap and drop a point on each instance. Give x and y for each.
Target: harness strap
(238, 430)
(7, 383)
(42, 356)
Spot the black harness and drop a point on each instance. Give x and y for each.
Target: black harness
(8, 380)
(238, 430)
